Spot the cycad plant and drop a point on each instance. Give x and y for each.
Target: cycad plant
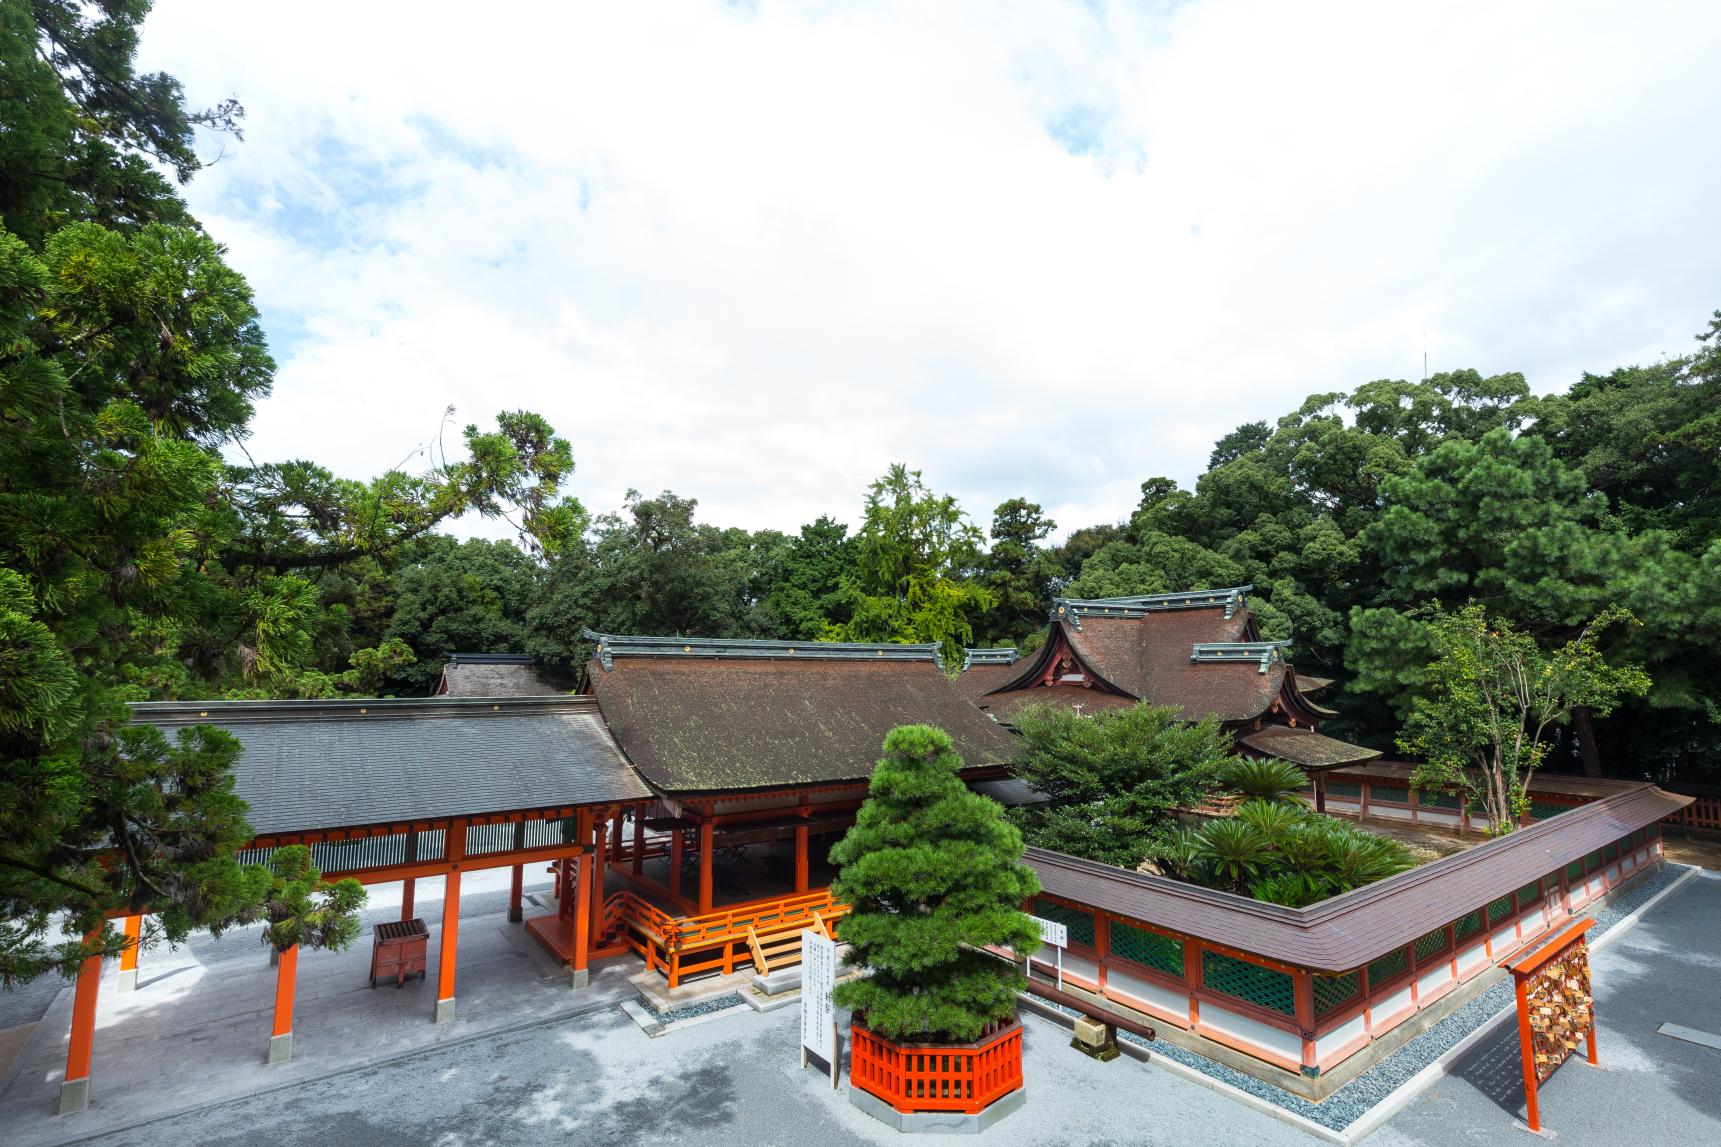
(1268, 779)
(1281, 852)
(932, 873)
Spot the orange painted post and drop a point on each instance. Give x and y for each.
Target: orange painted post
(595, 902)
(677, 847)
(639, 840)
(705, 837)
(407, 888)
(75, 1090)
(281, 1040)
(615, 839)
(455, 852)
(583, 918)
(515, 887)
(128, 958)
(800, 858)
(1532, 1118)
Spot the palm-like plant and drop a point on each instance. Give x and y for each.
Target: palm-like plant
(1236, 852)
(1269, 779)
(1274, 820)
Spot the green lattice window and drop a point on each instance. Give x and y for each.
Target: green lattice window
(1529, 894)
(1335, 991)
(1574, 870)
(1499, 910)
(1080, 924)
(1264, 987)
(1384, 969)
(1610, 854)
(1344, 790)
(1593, 860)
(1150, 949)
(1470, 925)
(1426, 946)
(1542, 810)
(1389, 794)
(1451, 802)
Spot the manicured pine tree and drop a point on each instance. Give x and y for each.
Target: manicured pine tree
(933, 874)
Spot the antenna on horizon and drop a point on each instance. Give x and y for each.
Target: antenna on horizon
(1424, 356)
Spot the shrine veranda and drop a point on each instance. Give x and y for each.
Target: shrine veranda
(685, 797)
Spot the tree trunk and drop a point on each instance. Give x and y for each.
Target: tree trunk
(1584, 729)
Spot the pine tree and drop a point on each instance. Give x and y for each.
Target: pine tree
(933, 874)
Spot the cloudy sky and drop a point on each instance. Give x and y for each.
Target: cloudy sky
(754, 253)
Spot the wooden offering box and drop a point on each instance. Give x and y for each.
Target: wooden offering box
(398, 949)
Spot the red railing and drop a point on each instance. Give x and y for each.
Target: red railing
(938, 1077)
(681, 946)
(1704, 812)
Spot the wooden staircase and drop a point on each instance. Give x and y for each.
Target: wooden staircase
(779, 949)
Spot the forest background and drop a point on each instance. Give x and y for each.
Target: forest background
(138, 561)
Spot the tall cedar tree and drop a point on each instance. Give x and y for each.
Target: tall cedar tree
(933, 874)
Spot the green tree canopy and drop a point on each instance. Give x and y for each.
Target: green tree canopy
(932, 873)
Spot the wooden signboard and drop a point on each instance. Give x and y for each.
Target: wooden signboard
(1058, 936)
(1555, 1009)
(818, 1012)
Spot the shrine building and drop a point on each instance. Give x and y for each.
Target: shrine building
(1197, 652)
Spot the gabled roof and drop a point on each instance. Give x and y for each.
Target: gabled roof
(497, 675)
(311, 765)
(701, 717)
(1307, 748)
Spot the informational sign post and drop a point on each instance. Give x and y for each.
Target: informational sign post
(1556, 1010)
(1056, 935)
(818, 1012)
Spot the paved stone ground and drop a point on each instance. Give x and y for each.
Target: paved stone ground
(1652, 1089)
(596, 1078)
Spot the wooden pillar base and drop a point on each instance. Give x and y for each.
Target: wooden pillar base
(281, 1047)
(74, 1095)
(516, 915)
(127, 980)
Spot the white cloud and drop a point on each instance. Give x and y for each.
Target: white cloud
(756, 254)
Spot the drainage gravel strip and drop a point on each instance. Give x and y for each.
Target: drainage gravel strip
(1352, 1101)
(702, 1008)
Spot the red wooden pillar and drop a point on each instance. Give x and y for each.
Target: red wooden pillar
(128, 958)
(1303, 994)
(583, 895)
(515, 912)
(801, 835)
(595, 905)
(75, 1089)
(455, 852)
(705, 837)
(639, 840)
(677, 846)
(615, 839)
(407, 888)
(281, 1039)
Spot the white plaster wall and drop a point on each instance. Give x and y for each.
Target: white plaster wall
(1341, 1035)
(1136, 991)
(1242, 1028)
(1385, 1010)
(1503, 940)
(1472, 959)
(1433, 980)
(1533, 921)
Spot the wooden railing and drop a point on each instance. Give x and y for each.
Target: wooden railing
(1703, 813)
(938, 1077)
(681, 946)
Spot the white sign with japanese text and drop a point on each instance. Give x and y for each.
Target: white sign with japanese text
(818, 1012)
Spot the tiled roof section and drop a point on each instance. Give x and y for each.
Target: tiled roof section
(996, 655)
(1307, 684)
(1309, 749)
(1348, 931)
(1149, 657)
(706, 725)
(336, 764)
(1005, 706)
(1076, 610)
(497, 675)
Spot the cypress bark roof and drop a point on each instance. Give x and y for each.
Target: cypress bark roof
(344, 764)
(497, 675)
(1307, 748)
(702, 718)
